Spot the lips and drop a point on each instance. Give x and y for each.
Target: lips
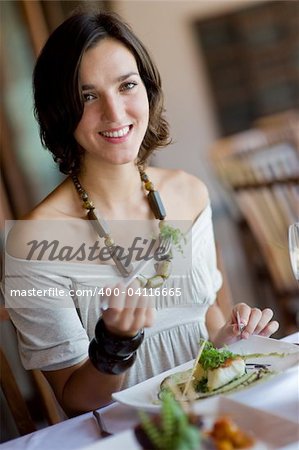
(119, 133)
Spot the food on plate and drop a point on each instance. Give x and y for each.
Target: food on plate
(173, 429)
(218, 371)
(178, 428)
(226, 435)
(216, 368)
(228, 370)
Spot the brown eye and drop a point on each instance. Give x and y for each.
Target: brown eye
(87, 97)
(128, 86)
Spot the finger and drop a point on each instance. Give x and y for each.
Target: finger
(123, 324)
(267, 315)
(134, 317)
(116, 299)
(244, 314)
(116, 304)
(235, 329)
(121, 298)
(131, 320)
(254, 318)
(150, 317)
(121, 311)
(133, 297)
(270, 329)
(139, 318)
(126, 321)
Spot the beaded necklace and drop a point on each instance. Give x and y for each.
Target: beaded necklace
(163, 267)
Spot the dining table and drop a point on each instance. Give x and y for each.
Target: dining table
(278, 398)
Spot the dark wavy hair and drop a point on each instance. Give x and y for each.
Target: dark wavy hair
(58, 103)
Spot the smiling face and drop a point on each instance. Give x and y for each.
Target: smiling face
(116, 108)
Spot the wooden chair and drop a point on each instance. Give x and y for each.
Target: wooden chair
(260, 169)
(278, 120)
(49, 411)
(14, 398)
(23, 418)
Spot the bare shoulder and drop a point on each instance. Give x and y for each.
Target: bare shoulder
(41, 224)
(182, 192)
(59, 204)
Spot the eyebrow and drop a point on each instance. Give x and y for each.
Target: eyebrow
(86, 87)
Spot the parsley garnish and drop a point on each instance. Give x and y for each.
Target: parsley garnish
(211, 358)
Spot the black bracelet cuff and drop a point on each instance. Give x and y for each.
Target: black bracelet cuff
(107, 363)
(117, 346)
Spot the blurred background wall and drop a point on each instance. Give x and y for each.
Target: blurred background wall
(177, 35)
(224, 64)
(167, 28)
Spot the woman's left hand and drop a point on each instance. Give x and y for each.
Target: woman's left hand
(252, 321)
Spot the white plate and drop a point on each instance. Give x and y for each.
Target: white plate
(144, 395)
(270, 431)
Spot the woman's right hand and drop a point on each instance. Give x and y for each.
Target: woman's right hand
(126, 314)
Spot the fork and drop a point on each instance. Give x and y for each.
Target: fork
(103, 430)
(164, 248)
(161, 253)
(240, 325)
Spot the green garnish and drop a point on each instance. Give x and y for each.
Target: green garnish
(201, 385)
(167, 231)
(174, 431)
(211, 358)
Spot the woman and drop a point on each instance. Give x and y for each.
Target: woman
(99, 104)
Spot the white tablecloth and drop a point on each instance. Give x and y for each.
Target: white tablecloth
(280, 398)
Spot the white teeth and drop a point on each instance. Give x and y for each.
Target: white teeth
(116, 134)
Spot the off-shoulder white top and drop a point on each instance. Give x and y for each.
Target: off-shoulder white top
(55, 333)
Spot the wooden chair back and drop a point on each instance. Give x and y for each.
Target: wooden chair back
(260, 169)
(50, 410)
(14, 398)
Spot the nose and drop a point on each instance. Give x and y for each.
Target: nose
(112, 108)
